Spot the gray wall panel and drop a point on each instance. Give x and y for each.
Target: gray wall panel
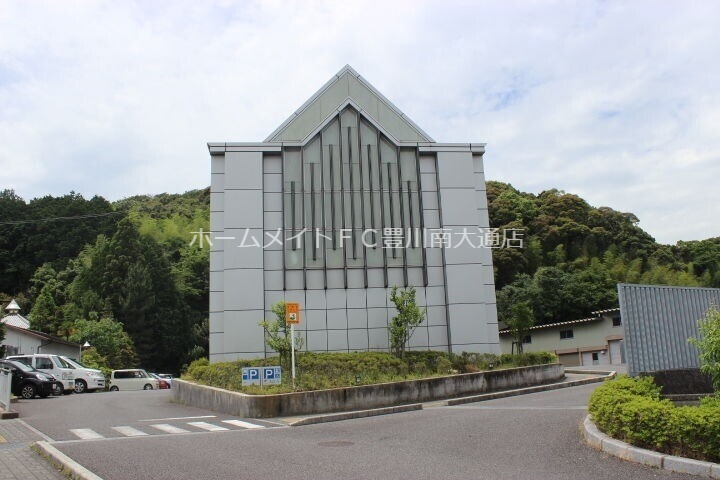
(358, 339)
(243, 170)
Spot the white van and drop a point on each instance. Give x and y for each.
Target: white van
(53, 365)
(132, 379)
(86, 379)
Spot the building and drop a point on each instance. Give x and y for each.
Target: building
(21, 340)
(597, 340)
(370, 201)
(659, 320)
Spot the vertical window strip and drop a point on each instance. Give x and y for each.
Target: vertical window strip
(402, 212)
(422, 218)
(342, 196)
(382, 205)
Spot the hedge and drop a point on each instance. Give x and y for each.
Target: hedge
(328, 370)
(631, 410)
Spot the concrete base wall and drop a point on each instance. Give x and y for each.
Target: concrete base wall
(363, 397)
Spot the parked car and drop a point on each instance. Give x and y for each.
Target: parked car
(86, 379)
(28, 382)
(166, 376)
(162, 383)
(52, 365)
(132, 379)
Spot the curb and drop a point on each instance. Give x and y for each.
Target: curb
(68, 465)
(523, 391)
(598, 440)
(336, 417)
(588, 372)
(8, 414)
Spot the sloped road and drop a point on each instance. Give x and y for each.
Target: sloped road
(528, 437)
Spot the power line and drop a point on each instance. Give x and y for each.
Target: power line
(54, 219)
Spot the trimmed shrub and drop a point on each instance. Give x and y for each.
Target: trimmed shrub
(631, 410)
(317, 371)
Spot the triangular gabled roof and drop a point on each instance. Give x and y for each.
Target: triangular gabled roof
(348, 87)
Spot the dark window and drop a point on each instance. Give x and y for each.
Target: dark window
(527, 339)
(43, 363)
(595, 357)
(565, 334)
(617, 321)
(26, 360)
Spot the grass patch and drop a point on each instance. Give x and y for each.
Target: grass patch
(318, 371)
(631, 410)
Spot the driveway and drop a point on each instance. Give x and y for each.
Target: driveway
(526, 437)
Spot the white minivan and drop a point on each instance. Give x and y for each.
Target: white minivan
(53, 365)
(132, 379)
(86, 379)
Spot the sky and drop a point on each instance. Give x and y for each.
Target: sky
(617, 102)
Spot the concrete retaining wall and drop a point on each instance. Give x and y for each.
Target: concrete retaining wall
(363, 397)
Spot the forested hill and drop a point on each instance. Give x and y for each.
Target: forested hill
(575, 254)
(85, 268)
(120, 275)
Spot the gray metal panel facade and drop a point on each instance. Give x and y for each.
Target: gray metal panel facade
(353, 168)
(658, 321)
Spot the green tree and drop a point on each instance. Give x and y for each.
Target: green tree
(110, 341)
(409, 317)
(277, 336)
(519, 321)
(45, 316)
(708, 344)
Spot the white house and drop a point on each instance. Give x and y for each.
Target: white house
(597, 340)
(21, 340)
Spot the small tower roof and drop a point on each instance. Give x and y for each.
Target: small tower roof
(12, 307)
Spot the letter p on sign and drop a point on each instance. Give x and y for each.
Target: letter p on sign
(292, 313)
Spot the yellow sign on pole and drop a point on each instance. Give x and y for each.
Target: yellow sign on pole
(292, 313)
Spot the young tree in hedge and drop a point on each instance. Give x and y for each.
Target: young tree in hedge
(519, 319)
(277, 335)
(709, 344)
(406, 321)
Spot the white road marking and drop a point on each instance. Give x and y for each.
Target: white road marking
(129, 431)
(240, 423)
(485, 407)
(86, 434)
(176, 418)
(207, 426)
(169, 428)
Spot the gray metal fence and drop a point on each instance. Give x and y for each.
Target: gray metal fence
(658, 322)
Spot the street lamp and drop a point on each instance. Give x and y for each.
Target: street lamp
(85, 345)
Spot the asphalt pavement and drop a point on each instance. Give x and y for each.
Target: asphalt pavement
(529, 436)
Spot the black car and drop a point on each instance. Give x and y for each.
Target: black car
(28, 382)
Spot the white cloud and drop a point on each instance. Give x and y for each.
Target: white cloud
(617, 102)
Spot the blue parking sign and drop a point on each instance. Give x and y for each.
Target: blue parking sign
(251, 376)
(272, 375)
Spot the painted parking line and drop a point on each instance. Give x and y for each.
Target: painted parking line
(164, 427)
(86, 434)
(207, 426)
(130, 431)
(240, 423)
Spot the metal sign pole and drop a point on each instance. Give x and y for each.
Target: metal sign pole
(292, 350)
